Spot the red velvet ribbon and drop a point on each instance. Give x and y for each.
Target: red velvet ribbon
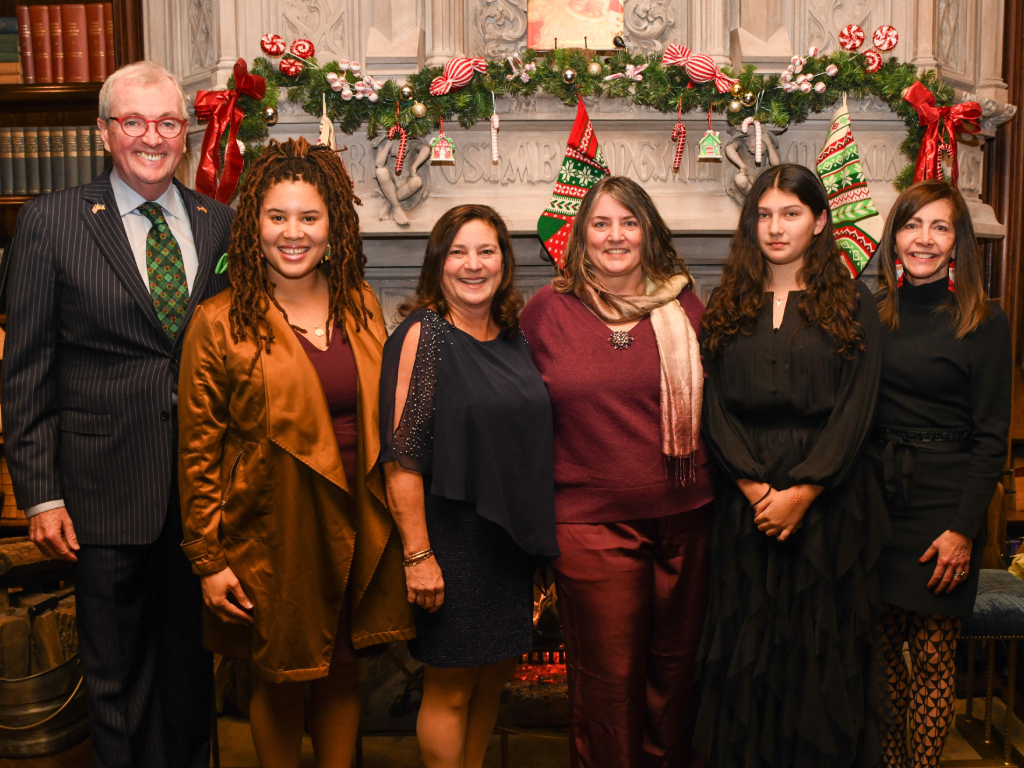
(941, 125)
(221, 109)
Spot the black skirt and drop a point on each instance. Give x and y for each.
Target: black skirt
(487, 613)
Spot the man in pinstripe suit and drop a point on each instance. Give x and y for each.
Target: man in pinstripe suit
(103, 280)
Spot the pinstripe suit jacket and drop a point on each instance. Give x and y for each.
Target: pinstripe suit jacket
(88, 372)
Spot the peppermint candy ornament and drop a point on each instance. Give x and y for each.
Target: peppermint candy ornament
(303, 48)
(334, 81)
(805, 86)
(403, 142)
(819, 87)
(495, 123)
(456, 74)
(885, 38)
(272, 45)
(700, 68)
(873, 61)
(851, 37)
(291, 67)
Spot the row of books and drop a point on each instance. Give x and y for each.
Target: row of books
(71, 43)
(38, 160)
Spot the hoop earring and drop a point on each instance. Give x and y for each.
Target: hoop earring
(327, 254)
(899, 274)
(952, 268)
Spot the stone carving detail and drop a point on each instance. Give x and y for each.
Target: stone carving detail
(826, 17)
(993, 113)
(201, 41)
(502, 26)
(646, 23)
(951, 38)
(405, 192)
(323, 22)
(741, 152)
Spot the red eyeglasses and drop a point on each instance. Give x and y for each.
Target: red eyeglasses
(137, 125)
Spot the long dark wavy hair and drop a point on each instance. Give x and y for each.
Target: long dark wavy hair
(830, 300)
(506, 302)
(251, 289)
(967, 307)
(659, 260)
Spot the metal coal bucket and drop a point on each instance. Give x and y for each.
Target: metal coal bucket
(45, 713)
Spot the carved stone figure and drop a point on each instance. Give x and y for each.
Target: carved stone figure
(741, 151)
(405, 192)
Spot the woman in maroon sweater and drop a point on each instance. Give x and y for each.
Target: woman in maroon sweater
(615, 339)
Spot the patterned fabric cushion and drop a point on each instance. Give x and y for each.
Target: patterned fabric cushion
(999, 609)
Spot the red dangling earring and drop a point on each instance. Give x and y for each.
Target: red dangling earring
(952, 268)
(899, 274)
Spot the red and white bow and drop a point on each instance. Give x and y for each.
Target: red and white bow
(700, 67)
(632, 73)
(457, 73)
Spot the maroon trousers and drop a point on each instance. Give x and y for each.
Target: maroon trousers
(632, 598)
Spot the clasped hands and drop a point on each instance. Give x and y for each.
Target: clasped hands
(778, 513)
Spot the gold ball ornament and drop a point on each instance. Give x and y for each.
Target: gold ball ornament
(569, 76)
(735, 106)
(594, 68)
(419, 109)
(406, 93)
(270, 115)
(736, 90)
(748, 99)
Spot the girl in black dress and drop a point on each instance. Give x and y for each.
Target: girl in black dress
(467, 451)
(940, 445)
(791, 352)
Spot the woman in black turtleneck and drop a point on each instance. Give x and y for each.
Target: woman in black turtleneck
(940, 444)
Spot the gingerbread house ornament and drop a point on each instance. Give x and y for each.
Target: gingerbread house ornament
(442, 151)
(710, 146)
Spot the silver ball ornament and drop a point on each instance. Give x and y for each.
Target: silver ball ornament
(748, 99)
(406, 93)
(270, 115)
(569, 76)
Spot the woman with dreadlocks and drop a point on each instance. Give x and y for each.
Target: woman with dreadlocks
(282, 502)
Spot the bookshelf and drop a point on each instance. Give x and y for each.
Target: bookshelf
(61, 104)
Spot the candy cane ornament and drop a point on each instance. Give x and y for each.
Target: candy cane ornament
(402, 142)
(745, 127)
(494, 132)
(679, 137)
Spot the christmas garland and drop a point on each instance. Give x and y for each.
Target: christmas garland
(665, 88)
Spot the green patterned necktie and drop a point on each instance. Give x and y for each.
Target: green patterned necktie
(167, 284)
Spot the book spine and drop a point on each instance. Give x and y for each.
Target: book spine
(6, 163)
(76, 44)
(45, 167)
(97, 42)
(108, 36)
(99, 160)
(71, 157)
(57, 44)
(39, 17)
(32, 160)
(8, 25)
(57, 158)
(19, 173)
(25, 41)
(84, 155)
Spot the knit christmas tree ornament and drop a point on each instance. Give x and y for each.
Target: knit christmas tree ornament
(581, 169)
(855, 220)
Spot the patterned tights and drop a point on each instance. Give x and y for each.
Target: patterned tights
(925, 692)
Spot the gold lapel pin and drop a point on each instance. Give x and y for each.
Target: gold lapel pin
(98, 207)
(201, 208)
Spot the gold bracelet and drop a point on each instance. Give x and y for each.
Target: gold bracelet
(417, 558)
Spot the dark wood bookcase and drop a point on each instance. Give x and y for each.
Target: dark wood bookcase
(58, 104)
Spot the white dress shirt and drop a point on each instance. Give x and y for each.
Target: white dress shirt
(137, 226)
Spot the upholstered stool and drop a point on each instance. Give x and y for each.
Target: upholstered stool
(998, 615)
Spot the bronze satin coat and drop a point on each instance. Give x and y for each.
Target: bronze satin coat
(264, 491)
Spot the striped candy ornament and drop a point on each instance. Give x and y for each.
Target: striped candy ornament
(494, 139)
(679, 137)
(700, 67)
(398, 130)
(456, 73)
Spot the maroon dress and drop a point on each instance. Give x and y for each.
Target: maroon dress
(336, 368)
